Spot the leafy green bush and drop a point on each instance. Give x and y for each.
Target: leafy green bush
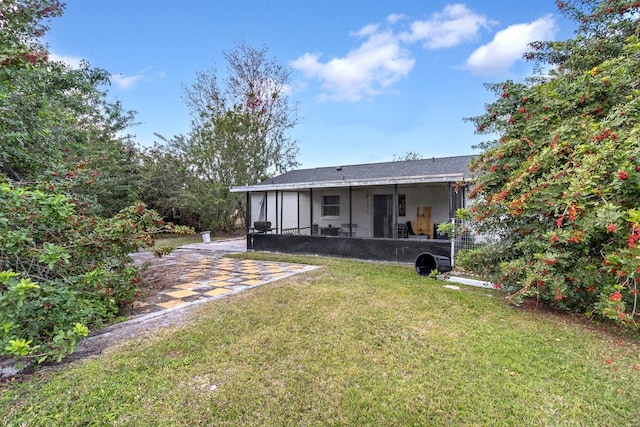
(64, 160)
(63, 271)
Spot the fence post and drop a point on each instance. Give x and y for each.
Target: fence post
(453, 241)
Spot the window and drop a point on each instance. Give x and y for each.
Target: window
(331, 206)
(402, 205)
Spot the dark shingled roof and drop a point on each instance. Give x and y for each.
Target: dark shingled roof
(443, 169)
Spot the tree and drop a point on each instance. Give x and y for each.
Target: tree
(67, 224)
(22, 107)
(255, 95)
(166, 183)
(559, 188)
(239, 131)
(55, 122)
(409, 155)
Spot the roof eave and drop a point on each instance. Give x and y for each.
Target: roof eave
(428, 179)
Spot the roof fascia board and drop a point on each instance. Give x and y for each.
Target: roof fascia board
(428, 179)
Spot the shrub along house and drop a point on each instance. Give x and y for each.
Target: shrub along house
(383, 211)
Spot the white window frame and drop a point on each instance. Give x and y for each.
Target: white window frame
(326, 205)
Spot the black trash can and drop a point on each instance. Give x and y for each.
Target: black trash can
(426, 263)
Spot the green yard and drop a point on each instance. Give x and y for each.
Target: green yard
(175, 241)
(353, 343)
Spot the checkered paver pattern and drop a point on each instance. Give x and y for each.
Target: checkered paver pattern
(206, 277)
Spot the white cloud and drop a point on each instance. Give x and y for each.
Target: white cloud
(395, 17)
(456, 24)
(366, 31)
(368, 70)
(71, 61)
(509, 45)
(125, 82)
(382, 59)
(119, 80)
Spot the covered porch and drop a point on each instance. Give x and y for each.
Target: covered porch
(393, 216)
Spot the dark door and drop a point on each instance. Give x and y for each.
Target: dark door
(382, 215)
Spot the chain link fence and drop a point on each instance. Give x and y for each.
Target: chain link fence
(464, 236)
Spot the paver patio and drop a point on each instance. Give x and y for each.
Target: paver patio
(207, 274)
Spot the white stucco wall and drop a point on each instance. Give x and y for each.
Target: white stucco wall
(434, 196)
(291, 214)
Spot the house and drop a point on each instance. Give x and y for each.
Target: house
(367, 209)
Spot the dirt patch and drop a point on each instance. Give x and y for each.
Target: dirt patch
(157, 275)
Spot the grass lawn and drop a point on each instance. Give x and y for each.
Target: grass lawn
(352, 343)
(176, 240)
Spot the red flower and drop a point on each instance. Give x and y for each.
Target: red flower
(634, 237)
(32, 58)
(611, 228)
(623, 175)
(617, 296)
(576, 237)
(558, 294)
(555, 238)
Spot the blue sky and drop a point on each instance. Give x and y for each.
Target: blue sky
(372, 79)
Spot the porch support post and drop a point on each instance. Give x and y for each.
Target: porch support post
(298, 213)
(350, 211)
(281, 211)
(247, 214)
(311, 212)
(395, 212)
(266, 206)
(450, 193)
(277, 212)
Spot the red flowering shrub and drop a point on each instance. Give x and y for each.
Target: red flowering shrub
(566, 210)
(64, 245)
(63, 271)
